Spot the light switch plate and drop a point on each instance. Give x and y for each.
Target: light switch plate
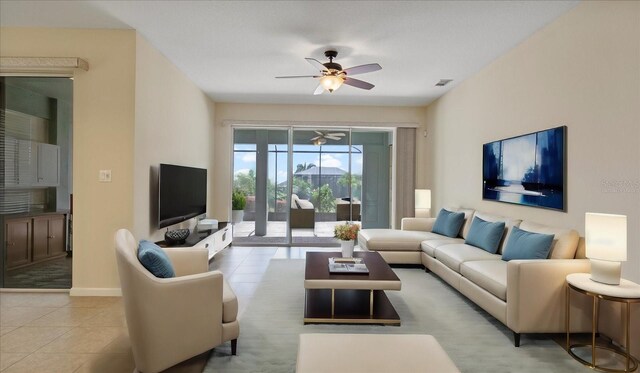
(104, 176)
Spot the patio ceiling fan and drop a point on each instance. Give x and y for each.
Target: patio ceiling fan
(332, 75)
(322, 137)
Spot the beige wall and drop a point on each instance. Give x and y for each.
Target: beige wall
(291, 115)
(103, 122)
(581, 71)
(174, 124)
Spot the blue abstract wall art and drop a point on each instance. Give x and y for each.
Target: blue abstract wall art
(527, 170)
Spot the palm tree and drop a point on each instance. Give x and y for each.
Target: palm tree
(304, 166)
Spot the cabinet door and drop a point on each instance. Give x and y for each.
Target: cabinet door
(26, 163)
(56, 235)
(48, 165)
(18, 235)
(40, 238)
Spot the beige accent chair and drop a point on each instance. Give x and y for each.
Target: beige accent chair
(173, 319)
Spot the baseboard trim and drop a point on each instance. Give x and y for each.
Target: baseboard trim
(95, 292)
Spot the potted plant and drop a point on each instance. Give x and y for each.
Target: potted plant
(347, 234)
(238, 202)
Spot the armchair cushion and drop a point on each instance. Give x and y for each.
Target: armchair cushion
(229, 303)
(155, 260)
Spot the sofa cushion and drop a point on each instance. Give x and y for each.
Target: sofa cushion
(508, 224)
(527, 245)
(429, 246)
(448, 223)
(485, 235)
(393, 239)
(455, 254)
(155, 260)
(229, 303)
(491, 275)
(565, 241)
(304, 204)
(294, 201)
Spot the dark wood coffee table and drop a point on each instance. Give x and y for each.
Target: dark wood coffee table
(349, 298)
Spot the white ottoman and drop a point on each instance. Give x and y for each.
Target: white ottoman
(369, 353)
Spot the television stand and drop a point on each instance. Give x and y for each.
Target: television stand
(213, 240)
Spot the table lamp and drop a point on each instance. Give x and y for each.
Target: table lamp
(606, 246)
(423, 203)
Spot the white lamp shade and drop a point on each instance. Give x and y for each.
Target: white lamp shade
(423, 199)
(606, 237)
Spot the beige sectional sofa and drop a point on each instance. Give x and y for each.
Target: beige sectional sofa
(528, 296)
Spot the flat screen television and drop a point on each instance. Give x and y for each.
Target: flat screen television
(182, 193)
(527, 169)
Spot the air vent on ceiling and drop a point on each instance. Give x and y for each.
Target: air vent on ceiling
(443, 82)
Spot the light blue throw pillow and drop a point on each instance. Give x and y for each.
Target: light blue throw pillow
(527, 245)
(448, 223)
(155, 260)
(485, 235)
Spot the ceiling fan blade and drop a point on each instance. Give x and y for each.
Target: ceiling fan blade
(298, 76)
(319, 133)
(315, 63)
(368, 68)
(358, 83)
(315, 138)
(339, 134)
(319, 91)
(332, 138)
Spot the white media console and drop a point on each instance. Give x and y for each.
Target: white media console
(214, 240)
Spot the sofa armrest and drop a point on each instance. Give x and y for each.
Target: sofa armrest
(536, 295)
(188, 261)
(417, 224)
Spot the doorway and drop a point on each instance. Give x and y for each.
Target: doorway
(299, 183)
(36, 115)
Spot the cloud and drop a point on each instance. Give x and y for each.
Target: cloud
(282, 175)
(242, 171)
(329, 160)
(249, 157)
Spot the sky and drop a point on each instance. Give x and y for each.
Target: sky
(245, 161)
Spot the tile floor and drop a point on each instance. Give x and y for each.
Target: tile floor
(53, 332)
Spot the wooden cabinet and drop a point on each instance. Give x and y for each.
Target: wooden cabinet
(18, 237)
(48, 236)
(34, 239)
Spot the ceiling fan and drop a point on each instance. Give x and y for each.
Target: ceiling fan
(321, 139)
(332, 76)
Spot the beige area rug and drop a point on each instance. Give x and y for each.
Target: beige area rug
(474, 340)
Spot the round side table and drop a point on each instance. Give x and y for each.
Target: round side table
(627, 292)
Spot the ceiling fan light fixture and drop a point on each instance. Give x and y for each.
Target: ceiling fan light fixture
(331, 82)
(319, 141)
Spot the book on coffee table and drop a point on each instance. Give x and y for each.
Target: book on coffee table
(344, 265)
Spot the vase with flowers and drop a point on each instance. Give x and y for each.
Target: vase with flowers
(347, 234)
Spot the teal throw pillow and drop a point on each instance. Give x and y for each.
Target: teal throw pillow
(448, 223)
(485, 235)
(527, 245)
(155, 260)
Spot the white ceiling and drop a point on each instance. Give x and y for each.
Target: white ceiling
(233, 49)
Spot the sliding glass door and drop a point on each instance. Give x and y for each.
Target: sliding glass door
(260, 164)
(300, 183)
